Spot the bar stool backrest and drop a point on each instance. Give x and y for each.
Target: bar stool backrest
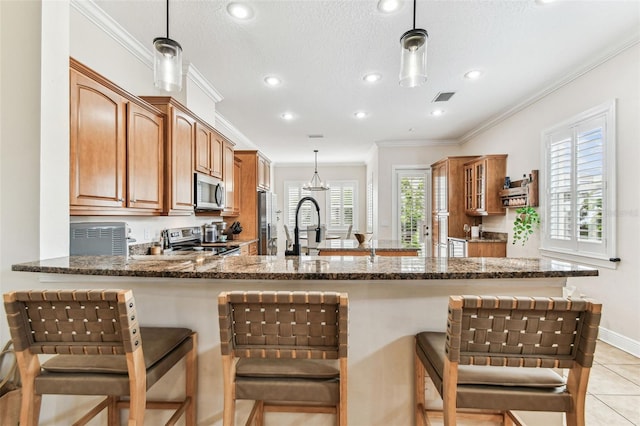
(544, 332)
(272, 324)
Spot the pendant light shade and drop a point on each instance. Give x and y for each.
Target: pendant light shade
(167, 62)
(315, 184)
(413, 62)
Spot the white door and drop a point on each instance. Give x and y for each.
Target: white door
(413, 210)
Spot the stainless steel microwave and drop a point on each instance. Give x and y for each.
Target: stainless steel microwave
(209, 193)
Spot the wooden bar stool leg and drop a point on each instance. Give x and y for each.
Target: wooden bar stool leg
(30, 405)
(419, 380)
(113, 414)
(138, 387)
(192, 382)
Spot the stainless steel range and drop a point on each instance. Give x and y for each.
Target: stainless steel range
(189, 239)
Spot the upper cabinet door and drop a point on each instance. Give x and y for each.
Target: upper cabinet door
(145, 158)
(203, 150)
(97, 144)
(182, 142)
(217, 146)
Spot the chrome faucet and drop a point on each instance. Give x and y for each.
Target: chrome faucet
(296, 231)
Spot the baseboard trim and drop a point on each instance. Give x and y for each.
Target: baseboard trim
(619, 341)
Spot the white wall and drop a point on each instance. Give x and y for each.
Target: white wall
(520, 138)
(20, 64)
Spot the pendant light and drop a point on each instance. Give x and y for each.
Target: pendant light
(413, 62)
(315, 184)
(167, 62)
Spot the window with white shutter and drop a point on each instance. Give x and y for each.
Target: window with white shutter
(579, 222)
(341, 205)
(293, 194)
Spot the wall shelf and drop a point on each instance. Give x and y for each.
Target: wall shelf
(518, 195)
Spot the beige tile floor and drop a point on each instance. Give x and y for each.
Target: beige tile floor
(613, 394)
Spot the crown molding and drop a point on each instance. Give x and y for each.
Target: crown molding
(225, 127)
(199, 80)
(412, 143)
(609, 54)
(109, 26)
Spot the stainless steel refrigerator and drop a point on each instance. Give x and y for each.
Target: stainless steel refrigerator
(267, 224)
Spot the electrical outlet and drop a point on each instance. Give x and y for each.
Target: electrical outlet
(147, 234)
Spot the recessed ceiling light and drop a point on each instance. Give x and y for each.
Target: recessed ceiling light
(240, 10)
(286, 116)
(360, 114)
(437, 112)
(373, 77)
(473, 75)
(272, 80)
(389, 6)
(544, 1)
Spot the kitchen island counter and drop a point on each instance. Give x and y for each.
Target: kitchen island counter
(390, 300)
(201, 265)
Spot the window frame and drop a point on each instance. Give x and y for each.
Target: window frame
(570, 249)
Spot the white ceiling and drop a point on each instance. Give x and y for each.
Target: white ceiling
(322, 49)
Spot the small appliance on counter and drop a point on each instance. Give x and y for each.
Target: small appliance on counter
(210, 233)
(99, 239)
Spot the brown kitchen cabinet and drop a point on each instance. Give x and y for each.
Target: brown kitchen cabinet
(145, 154)
(264, 172)
(483, 180)
(486, 249)
(228, 169)
(208, 151)
(252, 174)
(116, 148)
(180, 137)
(448, 214)
(253, 249)
(237, 183)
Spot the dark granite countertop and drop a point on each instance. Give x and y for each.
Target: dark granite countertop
(307, 267)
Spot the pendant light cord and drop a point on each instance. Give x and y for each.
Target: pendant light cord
(414, 14)
(414, 18)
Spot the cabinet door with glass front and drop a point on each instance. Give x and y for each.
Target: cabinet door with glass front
(483, 179)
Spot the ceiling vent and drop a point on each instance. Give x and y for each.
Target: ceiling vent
(317, 136)
(443, 96)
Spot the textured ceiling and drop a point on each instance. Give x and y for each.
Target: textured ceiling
(321, 50)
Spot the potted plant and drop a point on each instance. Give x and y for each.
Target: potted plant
(527, 220)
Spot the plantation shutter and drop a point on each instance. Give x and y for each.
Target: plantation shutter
(561, 188)
(590, 157)
(576, 160)
(341, 206)
(294, 194)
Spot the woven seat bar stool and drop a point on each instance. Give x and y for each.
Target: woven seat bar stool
(501, 354)
(287, 351)
(99, 349)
